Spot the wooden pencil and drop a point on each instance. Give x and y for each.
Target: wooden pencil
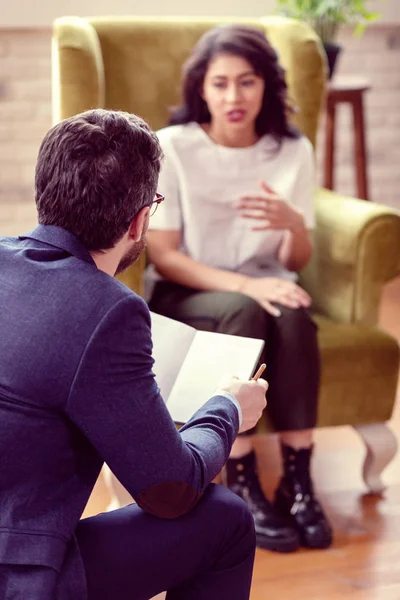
(259, 372)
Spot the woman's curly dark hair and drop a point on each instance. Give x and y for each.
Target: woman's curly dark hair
(252, 45)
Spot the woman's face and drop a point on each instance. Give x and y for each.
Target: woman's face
(233, 92)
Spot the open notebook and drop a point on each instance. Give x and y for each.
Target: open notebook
(189, 364)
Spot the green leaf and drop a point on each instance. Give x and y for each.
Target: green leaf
(323, 14)
(359, 30)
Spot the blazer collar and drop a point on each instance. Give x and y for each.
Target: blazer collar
(60, 238)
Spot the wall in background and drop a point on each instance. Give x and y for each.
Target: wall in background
(25, 113)
(25, 13)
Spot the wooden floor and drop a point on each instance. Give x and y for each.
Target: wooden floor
(364, 562)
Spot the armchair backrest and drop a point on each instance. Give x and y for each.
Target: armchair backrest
(134, 64)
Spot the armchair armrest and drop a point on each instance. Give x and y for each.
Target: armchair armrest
(356, 250)
(133, 276)
(77, 68)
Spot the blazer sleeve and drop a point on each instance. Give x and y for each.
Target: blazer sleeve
(116, 403)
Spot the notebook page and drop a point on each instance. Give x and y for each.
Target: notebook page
(171, 342)
(210, 356)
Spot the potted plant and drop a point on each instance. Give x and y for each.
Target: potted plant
(325, 17)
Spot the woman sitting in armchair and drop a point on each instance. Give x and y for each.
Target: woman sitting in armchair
(225, 248)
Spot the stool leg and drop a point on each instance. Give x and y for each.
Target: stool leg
(381, 446)
(329, 145)
(360, 153)
(119, 497)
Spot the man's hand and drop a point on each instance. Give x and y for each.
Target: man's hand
(251, 397)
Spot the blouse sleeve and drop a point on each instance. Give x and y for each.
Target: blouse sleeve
(168, 215)
(304, 189)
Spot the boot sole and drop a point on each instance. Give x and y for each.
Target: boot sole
(287, 545)
(317, 545)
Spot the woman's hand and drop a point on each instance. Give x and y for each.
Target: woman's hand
(270, 211)
(266, 290)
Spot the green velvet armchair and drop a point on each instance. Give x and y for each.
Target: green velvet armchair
(134, 64)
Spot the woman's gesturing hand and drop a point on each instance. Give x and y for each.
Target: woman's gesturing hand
(267, 290)
(269, 211)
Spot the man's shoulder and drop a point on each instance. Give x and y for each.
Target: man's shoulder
(99, 291)
(116, 291)
(96, 304)
(80, 285)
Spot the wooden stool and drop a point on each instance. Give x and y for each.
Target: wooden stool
(348, 90)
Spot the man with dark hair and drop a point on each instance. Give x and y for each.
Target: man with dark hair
(77, 389)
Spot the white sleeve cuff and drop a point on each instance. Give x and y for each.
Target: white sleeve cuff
(232, 398)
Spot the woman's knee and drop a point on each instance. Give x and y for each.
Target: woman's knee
(243, 316)
(296, 319)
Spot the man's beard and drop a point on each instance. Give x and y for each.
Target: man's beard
(132, 255)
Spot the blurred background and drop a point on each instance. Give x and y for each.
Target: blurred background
(25, 89)
(363, 564)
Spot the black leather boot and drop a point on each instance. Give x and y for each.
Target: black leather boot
(273, 531)
(295, 498)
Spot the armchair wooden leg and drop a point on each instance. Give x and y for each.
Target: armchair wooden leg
(381, 446)
(119, 497)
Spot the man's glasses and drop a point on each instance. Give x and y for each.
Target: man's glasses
(158, 199)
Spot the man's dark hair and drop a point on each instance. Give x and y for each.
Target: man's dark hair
(252, 45)
(95, 171)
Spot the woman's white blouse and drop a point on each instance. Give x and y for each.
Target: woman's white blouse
(202, 181)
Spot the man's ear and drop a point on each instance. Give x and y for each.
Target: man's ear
(139, 224)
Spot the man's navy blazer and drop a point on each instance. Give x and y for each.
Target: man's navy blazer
(77, 389)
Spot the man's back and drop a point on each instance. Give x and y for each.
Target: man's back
(51, 302)
(77, 388)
